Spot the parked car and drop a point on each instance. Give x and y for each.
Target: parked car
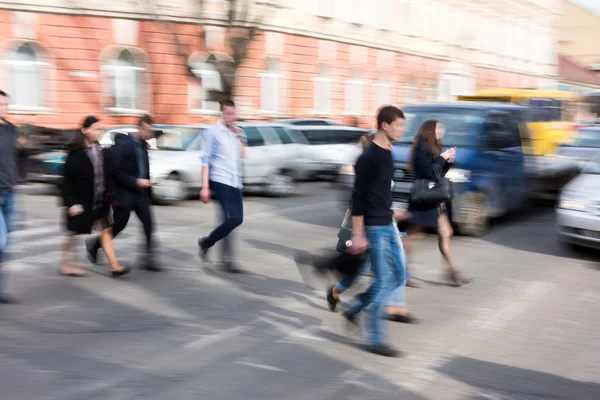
(331, 147)
(578, 211)
(308, 121)
(583, 146)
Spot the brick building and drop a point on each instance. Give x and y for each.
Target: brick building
(62, 59)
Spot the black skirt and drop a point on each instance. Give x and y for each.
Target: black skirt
(83, 223)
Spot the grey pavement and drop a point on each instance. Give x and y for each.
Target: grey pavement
(525, 329)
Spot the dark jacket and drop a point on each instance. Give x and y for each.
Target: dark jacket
(426, 166)
(123, 158)
(8, 152)
(78, 189)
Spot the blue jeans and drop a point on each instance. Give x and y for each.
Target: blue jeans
(389, 267)
(7, 209)
(230, 199)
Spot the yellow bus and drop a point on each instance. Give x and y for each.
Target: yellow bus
(551, 117)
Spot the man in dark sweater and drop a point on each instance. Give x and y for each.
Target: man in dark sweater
(8, 179)
(373, 227)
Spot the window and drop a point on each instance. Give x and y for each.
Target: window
(27, 88)
(354, 11)
(322, 93)
(283, 135)
(125, 80)
(269, 135)
(504, 133)
(270, 91)
(201, 96)
(381, 95)
(320, 136)
(386, 10)
(354, 96)
(409, 17)
(347, 136)
(409, 94)
(253, 137)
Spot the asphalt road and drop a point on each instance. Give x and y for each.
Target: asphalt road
(525, 329)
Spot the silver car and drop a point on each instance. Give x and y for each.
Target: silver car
(578, 212)
(583, 147)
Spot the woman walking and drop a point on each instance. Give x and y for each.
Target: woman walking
(86, 197)
(428, 162)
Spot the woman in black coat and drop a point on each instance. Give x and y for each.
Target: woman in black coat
(428, 162)
(87, 197)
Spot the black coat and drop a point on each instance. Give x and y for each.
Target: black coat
(78, 189)
(123, 158)
(426, 166)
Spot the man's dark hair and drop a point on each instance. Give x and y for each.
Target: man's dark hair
(3, 93)
(145, 119)
(388, 114)
(227, 103)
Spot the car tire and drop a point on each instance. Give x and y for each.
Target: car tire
(281, 184)
(178, 188)
(474, 214)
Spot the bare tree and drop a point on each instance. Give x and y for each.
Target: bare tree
(242, 21)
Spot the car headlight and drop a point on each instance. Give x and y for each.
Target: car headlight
(458, 175)
(347, 169)
(570, 201)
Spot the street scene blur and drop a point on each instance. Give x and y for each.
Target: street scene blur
(317, 199)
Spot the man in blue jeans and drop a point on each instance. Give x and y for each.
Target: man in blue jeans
(373, 227)
(8, 179)
(224, 149)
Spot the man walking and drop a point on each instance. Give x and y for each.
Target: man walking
(8, 179)
(131, 175)
(224, 148)
(373, 227)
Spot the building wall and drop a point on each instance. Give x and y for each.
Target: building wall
(579, 31)
(341, 62)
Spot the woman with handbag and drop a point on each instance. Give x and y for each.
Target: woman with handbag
(87, 197)
(429, 210)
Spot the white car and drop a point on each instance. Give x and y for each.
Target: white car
(578, 211)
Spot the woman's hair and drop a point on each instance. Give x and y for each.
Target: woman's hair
(365, 140)
(78, 141)
(426, 137)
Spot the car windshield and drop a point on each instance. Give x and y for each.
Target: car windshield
(462, 126)
(593, 167)
(177, 139)
(587, 138)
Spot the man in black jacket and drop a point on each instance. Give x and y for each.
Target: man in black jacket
(131, 174)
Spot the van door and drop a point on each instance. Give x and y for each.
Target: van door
(256, 151)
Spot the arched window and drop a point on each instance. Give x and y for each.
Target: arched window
(210, 81)
(27, 86)
(125, 81)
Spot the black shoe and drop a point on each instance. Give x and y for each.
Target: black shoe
(404, 319)
(382, 350)
(4, 299)
(92, 250)
(203, 250)
(118, 274)
(352, 319)
(332, 302)
(150, 265)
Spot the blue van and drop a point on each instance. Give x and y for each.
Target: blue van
(489, 175)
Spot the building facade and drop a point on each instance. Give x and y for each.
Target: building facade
(342, 59)
(579, 29)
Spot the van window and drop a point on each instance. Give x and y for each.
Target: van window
(504, 133)
(462, 125)
(283, 135)
(269, 134)
(297, 136)
(253, 137)
(318, 136)
(347, 136)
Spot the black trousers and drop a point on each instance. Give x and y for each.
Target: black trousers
(141, 206)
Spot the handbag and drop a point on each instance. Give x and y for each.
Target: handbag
(344, 234)
(430, 191)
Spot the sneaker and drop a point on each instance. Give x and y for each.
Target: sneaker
(352, 320)
(332, 302)
(92, 249)
(382, 350)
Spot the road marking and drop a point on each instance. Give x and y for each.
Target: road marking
(248, 362)
(218, 337)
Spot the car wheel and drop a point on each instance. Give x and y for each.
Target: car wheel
(281, 184)
(173, 190)
(473, 214)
